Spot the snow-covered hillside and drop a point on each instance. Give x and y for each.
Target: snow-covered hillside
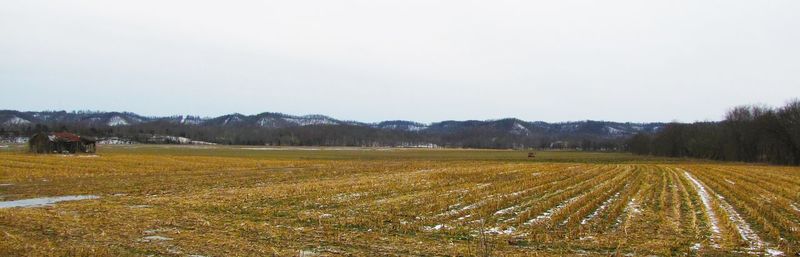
(270, 120)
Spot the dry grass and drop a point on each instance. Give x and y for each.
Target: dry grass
(226, 201)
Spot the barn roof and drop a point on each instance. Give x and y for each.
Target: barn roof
(64, 136)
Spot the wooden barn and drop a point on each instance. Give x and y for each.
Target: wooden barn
(61, 142)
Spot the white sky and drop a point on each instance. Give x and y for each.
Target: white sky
(422, 60)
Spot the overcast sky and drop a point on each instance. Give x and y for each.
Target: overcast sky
(423, 60)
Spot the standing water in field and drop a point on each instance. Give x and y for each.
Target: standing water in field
(44, 201)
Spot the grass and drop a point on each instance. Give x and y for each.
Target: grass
(227, 200)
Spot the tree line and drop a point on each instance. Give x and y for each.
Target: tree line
(332, 135)
(750, 133)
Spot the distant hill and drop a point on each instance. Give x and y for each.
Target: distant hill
(271, 128)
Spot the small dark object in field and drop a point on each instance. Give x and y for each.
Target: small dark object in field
(61, 142)
(516, 241)
(531, 154)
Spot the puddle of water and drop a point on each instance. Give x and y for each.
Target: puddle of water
(44, 201)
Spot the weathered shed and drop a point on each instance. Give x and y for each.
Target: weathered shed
(61, 142)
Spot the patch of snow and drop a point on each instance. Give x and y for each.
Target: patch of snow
(602, 207)
(183, 140)
(116, 121)
(416, 128)
(134, 119)
(401, 125)
(518, 129)
(730, 182)
(549, 213)
(452, 212)
(191, 120)
(529, 202)
(417, 145)
(390, 126)
(744, 229)
(613, 131)
(114, 141)
(14, 120)
(232, 119)
(266, 122)
(468, 207)
(175, 140)
(14, 140)
(310, 120)
(482, 185)
(745, 232)
(774, 252)
(45, 201)
(633, 207)
(506, 210)
(514, 207)
(435, 228)
(706, 199)
(155, 238)
(308, 253)
(5, 185)
(498, 231)
(696, 247)
(159, 230)
(794, 206)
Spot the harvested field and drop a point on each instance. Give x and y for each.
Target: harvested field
(223, 201)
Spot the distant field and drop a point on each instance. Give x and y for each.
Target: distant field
(233, 201)
(356, 153)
